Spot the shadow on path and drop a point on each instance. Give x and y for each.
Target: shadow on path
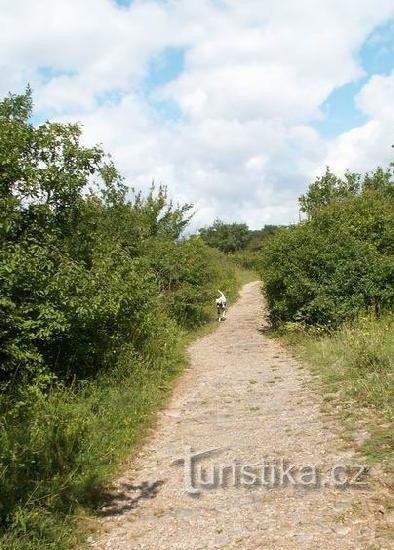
(127, 497)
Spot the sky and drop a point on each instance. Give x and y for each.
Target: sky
(234, 105)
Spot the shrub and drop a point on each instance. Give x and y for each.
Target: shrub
(336, 264)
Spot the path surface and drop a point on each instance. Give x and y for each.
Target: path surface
(247, 396)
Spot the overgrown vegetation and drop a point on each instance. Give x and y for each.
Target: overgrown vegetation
(97, 289)
(339, 262)
(244, 245)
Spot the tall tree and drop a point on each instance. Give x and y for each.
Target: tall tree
(327, 189)
(227, 237)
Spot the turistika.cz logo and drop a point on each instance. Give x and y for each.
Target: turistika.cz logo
(268, 473)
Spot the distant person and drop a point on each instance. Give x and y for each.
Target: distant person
(221, 305)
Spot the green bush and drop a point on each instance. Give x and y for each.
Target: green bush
(59, 449)
(334, 265)
(227, 237)
(190, 274)
(248, 259)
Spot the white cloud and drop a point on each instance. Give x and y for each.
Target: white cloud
(377, 97)
(254, 78)
(106, 47)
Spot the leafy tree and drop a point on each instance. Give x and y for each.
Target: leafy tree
(259, 236)
(327, 189)
(380, 180)
(227, 237)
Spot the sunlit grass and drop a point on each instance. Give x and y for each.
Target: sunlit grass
(356, 366)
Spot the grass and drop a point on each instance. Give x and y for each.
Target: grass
(76, 443)
(356, 366)
(247, 276)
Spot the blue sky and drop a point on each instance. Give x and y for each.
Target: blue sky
(164, 68)
(340, 111)
(235, 106)
(123, 2)
(376, 57)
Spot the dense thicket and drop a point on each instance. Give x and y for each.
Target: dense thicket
(96, 288)
(339, 262)
(227, 237)
(244, 245)
(235, 237)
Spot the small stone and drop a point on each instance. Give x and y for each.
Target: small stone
(173, 414)
(184, 513)
(342, 531)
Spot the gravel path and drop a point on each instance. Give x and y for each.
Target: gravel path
(247, 398)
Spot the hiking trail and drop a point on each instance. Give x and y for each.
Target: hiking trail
(246, 396)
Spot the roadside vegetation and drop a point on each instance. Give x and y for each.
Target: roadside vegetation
(355, 365)
(329, 283)
(99, 291)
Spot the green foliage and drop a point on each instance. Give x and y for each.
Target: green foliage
(97, 287)
(243, 245)
(58, 450)
(83, 272)
(190, 274)
(338, 263)
(249, 258)
(227, 237)
(258, 237)
(328, 189)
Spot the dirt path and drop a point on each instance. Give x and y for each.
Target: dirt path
(246, 396)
